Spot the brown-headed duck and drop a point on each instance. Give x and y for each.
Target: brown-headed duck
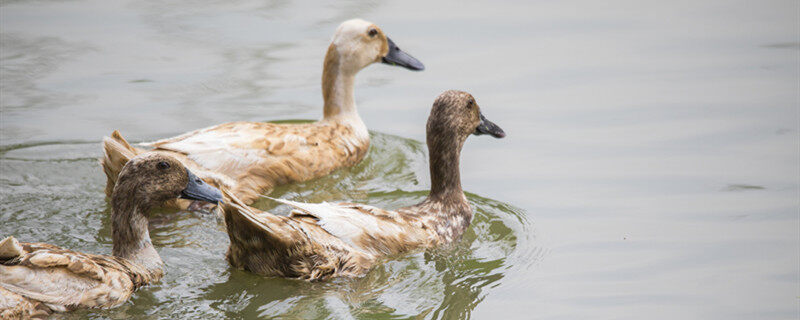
(324, 240)
(38, 278)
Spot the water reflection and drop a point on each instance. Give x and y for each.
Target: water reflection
(393, 164)
(641, 133)
(444, 283)
(38, 201)
(447, 283)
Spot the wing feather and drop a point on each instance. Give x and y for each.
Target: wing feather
(365, 227)
(233, 148)
(57, 278)
(246, 212)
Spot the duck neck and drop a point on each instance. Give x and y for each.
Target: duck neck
(129, 231)
(338, 88)
(444, 153)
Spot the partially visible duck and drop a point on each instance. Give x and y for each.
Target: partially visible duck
(320, 241)
(38, 278)
(251, 158)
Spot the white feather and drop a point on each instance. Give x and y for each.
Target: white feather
(217, 150)
(344, 223)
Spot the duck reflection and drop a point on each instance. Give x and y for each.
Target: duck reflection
(443, 283)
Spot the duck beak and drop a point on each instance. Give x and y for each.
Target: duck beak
(488, 127)
(397, 57)
(197, 189)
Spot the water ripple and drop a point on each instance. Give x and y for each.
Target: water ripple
(59, 184)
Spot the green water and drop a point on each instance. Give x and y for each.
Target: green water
(650, 169)
(41, 202)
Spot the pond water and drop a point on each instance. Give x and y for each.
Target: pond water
(651, 168)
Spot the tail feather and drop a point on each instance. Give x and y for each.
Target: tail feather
(267, 225)
(236, 205)
(10, 248)
(318, 210)
(116, 153)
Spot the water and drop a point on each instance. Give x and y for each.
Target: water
(650, 169)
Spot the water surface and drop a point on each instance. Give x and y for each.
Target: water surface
(650, 169)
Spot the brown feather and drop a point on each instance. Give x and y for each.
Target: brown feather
(252, 158)
(320, 241)
(38, 278)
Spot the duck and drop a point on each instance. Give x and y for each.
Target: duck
(320, 241)
(251, 158)
(37, 279)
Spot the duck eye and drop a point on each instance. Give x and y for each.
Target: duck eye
(471, 103)
(372, 32)
(162, 165)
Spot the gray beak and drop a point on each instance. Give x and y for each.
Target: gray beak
(397, 57)
(197, 189)
(488, 127)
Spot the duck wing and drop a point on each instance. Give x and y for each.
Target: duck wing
(63, 279)
(366, 227)
(254, 157)
(232, 148)
(294, 247)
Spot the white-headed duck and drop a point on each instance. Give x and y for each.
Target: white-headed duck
(38, 278)
(320, 241)
(251, 158)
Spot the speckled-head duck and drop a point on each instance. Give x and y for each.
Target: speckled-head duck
(323, 240)
(38, 278)
(251, 158)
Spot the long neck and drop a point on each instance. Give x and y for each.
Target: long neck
(444, 155)
(130, 232)
(337, 87)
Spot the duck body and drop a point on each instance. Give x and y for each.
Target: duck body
(251, 158)
(38, 278)
(324, 240)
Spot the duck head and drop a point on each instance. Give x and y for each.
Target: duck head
(154, 178)
(359, 43)
(456, 114)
